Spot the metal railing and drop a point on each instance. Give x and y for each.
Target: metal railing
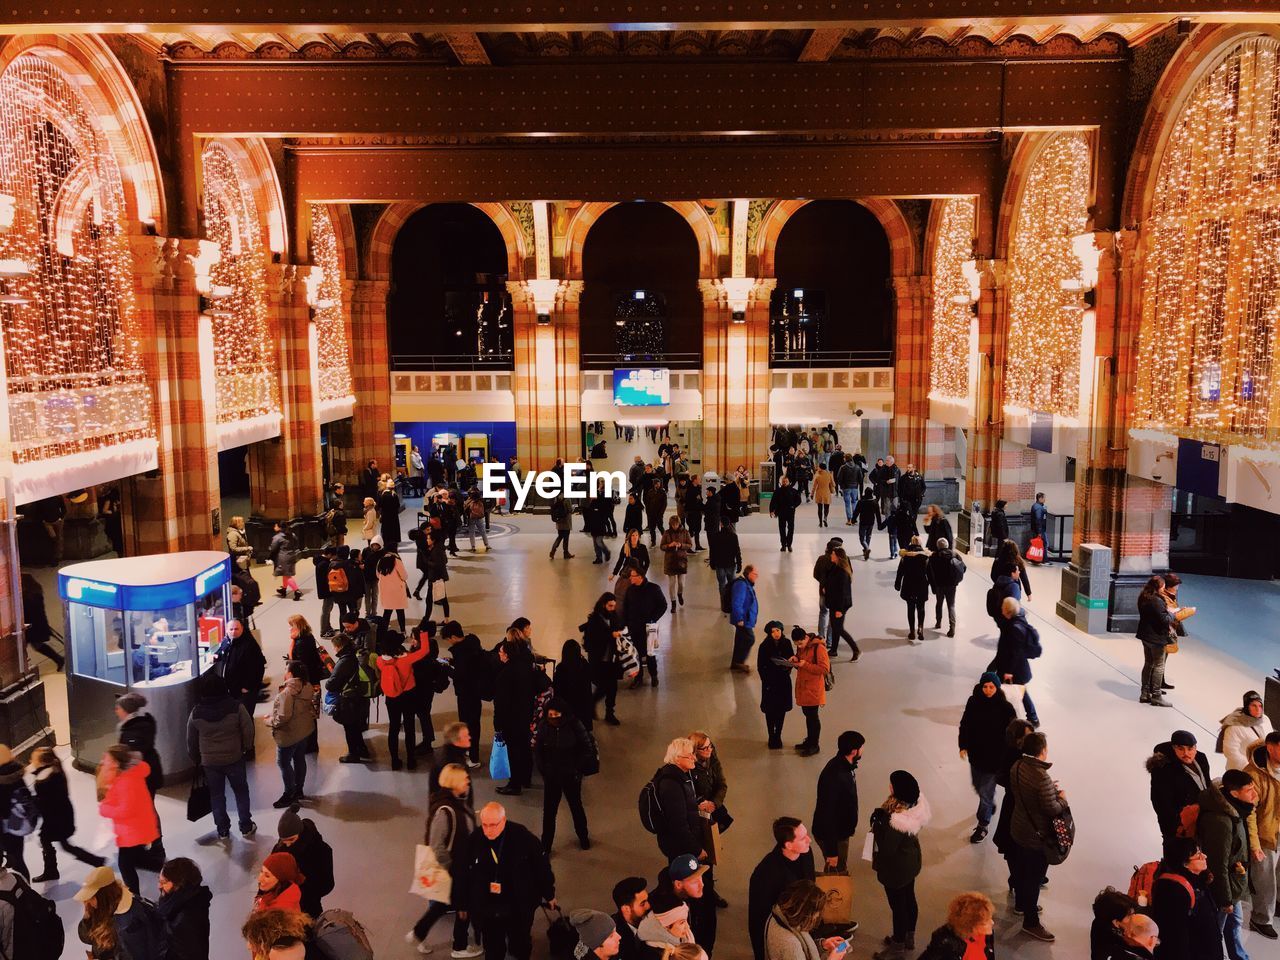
(448, 361)
(830, 358)
(608, 361)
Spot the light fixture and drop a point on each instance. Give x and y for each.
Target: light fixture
(798, 293)
(639, 294)
(15, 270)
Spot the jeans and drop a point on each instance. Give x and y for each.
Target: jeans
(893, 543)
(1153, 658)
(401, 709)
(562, 536)
(292, 761)
(1029, 706)
(1262, 877)
(813, 726)
(601, 548)
(984, 784)
(724, 576)
(786, 530)
(571, 789)
(948, 596)
(743, 640)
(824, 619)
(865, 529)
(476, 525)
(1230, 924)
(1029, 868)
(850, 502)
(326, 615)
(902, 903)
(218, 778)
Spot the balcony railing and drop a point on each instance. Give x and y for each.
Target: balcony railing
(831, 358)
(674, 361)
(448, 361)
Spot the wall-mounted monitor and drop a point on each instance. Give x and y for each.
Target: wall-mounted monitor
(641, 387)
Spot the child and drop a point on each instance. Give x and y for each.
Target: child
(57, 816)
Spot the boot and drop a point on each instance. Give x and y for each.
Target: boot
(50, 867)
(951, 630)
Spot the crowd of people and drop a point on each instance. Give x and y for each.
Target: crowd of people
(494, 874)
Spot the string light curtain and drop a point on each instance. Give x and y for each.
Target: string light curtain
(75, 378)
(1212, 271)
(949, 350)
(248, 385)
(331, 329)
(1042, 365)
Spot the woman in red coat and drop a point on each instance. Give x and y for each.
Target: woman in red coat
(812, 666)
(279, 884)
(125, 800)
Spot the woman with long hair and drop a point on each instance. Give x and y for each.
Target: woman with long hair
(634, 553)
(1009, 563)
(968, 932)
(279, 884)
(393, 588)
(572, 682)
(788, 933)
(123, 798)
(304, 649)
(57, 815)
(837, 590)
(912, 584)
(117, 923)
(184, 905)
(1157, 628)
(896, 826)
(600, 635)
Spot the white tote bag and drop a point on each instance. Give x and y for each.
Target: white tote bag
(653, 638)
(430, 880)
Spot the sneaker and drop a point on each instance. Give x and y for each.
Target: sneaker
(472, 764)
(248, 829)
(1039, 932)
(979, 833)
(424, 947)
(1266, 929)
(471, 950)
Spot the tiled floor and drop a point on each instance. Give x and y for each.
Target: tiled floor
(906, 700)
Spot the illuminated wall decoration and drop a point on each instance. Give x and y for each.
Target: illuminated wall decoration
(1042, 363)
(78, 397)
(949, 335)
(247, 384)
(334, 354)
(1212, 270)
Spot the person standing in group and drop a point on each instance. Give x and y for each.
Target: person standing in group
(184, 905)
(562, 753)
(506, 875)
(304, 649)
(944, 570)
(912, 584)
(835, 814)
(350, 706)
(572, 683)
(837, 591)
(1242, 728)
(299, 838)
(655, 508)
(237, 544)
(824, 489)
(969, 933)
(471, 677)
(710, 786)
(1156, 631)
(775, 680)
(1018, 645)
(393, 588)
(436, 571)
(869, 519)
(1037, 799)
(896, 826)
(812, 666)
(451, 820)
(57, 815)
(369, 522)
(633, 514)
(324, 591)
(1222, 830)
(644, 604)
(936, 527)
(279, 884)
(790, 860)
(1182, 905)
(284, 559)
(788, 933)
(123, 799)
(242, 665)
(744, 608)
(513, 698)
(1263, 769)
(680, 830)
(731, 501)
(473, 513)
(675, 561)
(219, 737)
(782, 506)
(293, 723)
(1179, 774)
(562, 517)
(911, 490)
(398, 683)
(389, 516)
(600, 635)
(987, 716)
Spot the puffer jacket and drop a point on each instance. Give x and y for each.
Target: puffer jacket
(912, 581)
(1036, 802)
(293, 712)
(219, 732)
(1174, 786)
(1238, 730)
(1267, 810)
(982, 728)
(1224, 837)
(896, 855)
(129, 807)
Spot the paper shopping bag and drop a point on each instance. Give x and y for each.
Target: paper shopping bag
(839, 890)
(430, 880)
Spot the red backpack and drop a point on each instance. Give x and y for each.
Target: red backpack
(1143, 882)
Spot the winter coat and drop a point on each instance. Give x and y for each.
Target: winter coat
(53, 800)
(284, 554)
(837, 588)
(219, 732)
(939, 529)
(868, 512)
(645, 604)
(945, 944)
(1173, 786)
(784, 502)
(315, 862)
(998, 527)
(244, 665)
(285, 896)
(852, 475)
(389, 519)
(709, 782)
(1019, 644)
(944, 569)
(1188, 931)
(781, 942)
(561, 751)
(1224, 837)
(773, 874)
(293, 712)
(633, 517)
(513, 697)
(237, 545)
(393, 588)
(1036, 802)
(1238, 731)
(593, 517)
(911, 489)
(723, 550)
(982, 728)
(572, 684)
(811, 688)
(597, 637)
(1267, 809)
(835, 815)
(637, 556)
(775, 681)
(824, 486)
(680, 826)
(369, 529)
(138, 732)
(655, 503)
(896, 855)
(744, 608)
(1155, 621)
(186, 915)
(140, 932)
(129, 807)
(676, 545)
(306, 651)
(516, 863)
(912, 581)
(470, 667)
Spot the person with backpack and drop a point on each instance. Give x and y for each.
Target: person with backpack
(744, 608)
(293, 723)
(57, 815)
(396, 676)
(514, 693)
(987, 716)
(18, 812)
(669, 803)
(944, 569)
(284, 560)
(1018, 645)
(1182, 905)
(124, 800)
(1037, 800)
(1222, 830)
(451, 820)
(813, 666)
(219, 736)
(912, 584)
(324, 564)
(347, 694)
(1179, 774)
(474, 513)
(565, 752)
(562, 517)
(775, 681)
(118, 923)
(184, 905)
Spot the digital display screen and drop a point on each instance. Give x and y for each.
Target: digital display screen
(641, 387)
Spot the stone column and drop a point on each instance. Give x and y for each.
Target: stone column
(372, 433)
(548, 388)
(913, 300)
(735, 375)
(177, 506)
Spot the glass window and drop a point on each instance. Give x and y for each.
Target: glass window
(212, 624)
(161, 646)
(96, 639)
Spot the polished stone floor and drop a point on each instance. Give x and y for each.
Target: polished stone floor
(906, 699)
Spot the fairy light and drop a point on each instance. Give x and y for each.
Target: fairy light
(246, 379)
(75, 378)
(1211, 296)
(949, 350)
(1042, 366)
(331, 329)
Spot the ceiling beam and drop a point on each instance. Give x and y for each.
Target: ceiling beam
(821, 44)
(468, 49)
(350, 16)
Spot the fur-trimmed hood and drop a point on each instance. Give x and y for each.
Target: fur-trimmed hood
(913, 819)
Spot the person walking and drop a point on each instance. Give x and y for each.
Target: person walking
(911, 490)
(1222, 830)
(219, 737)
(451, 820)
(1241, 729)
(1018, 645)
(1179, 774)
(775, 680)
(595, 518)
(912, 584)
(1156, 630)
(562, 517)
(350, 706)
(399, 682)
(987, 716)
(644, 605)
(123, 799)
(184, 906)
(782, 506)
(812, 666)
(744, 608)
(284, 559)
(563, 752)
(693, 510)
(632, 552)
(57, 815)
(473, 512)
(851, 478)
(824, 489)
(393, 588)
(1040, 525)
(435, 571)
(293, 723)
(820, 568)
(837, 591)
(655, 508)
(835, 814)
(867, 512)
(944, 570)
(136, 729)
(724, 556)
(1263, 769)
(676, 545)
(1037, 799)
(896, 826)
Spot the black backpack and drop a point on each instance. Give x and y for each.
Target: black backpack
(37, 928)
(650, 805)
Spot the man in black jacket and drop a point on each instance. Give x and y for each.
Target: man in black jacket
(300, 838)
(835, 815)
(645, 603)
(783, 506)
(789, 860)
(724, 556)
(504, 877)
(1179, 774)
(471, 680)
(680, 828)
(631, 897)
(513, 697)
(911, 488)
(944, 568)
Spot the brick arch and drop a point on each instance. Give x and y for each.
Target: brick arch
(258, 171)
(692, 211)
(377, 261)
(902, 247)
(117, 112)
(1025, 155)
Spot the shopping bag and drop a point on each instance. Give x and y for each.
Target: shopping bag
(653, 637)
(711, 842)
(199, 805)
(499, 760)
(839, 890)
(431, 881)
(1035, 550)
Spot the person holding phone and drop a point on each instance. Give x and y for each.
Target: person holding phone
(788, 933)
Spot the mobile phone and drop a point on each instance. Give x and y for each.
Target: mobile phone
(841, 947)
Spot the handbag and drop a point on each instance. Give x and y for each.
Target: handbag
(499, 759)
(838, 887)
(199, 805)
(430, 881)
(1171, 647)
(1035, 550)
(653, 637)
(626, 658)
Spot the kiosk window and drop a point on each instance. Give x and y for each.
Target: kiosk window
(160, 646)
(98, 638)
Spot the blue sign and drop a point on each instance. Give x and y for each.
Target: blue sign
(150, 596)
(642, 387)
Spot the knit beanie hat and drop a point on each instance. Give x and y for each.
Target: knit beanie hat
(990, 677)
(1250, 697)
(769, 627)
(593, 928)
(290, 823)
(905, 787)
(673, 915)
(283, 867)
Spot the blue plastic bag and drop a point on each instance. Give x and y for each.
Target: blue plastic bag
(499, 761)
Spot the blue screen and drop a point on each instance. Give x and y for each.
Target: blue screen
(641, 387)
